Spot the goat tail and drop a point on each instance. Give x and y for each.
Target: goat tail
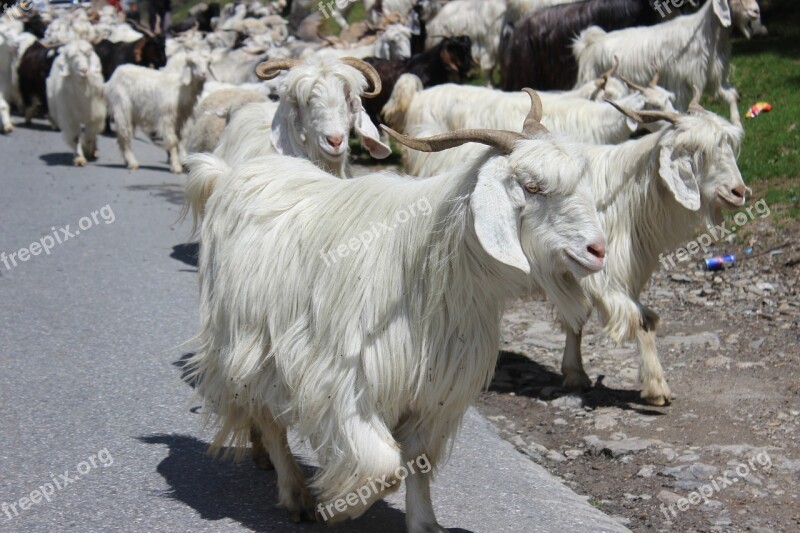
(394, 112)
(205, 171)
(587, 38)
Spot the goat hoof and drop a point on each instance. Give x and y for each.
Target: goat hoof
(301, 507)
(578, 382)
(79, 161)
(133, 166)
(8, 129)
(262, 461)
(657, 393)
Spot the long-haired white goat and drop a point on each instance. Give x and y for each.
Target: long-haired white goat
(75, 98)
(320, 105)
(652, 194)
(689, 51)
(374, 353)
(158, 101)
(449, 107)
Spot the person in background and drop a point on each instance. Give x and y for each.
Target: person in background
(159, 13)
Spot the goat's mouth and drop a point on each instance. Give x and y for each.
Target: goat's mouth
(331, 152)
(584, 264)
(729, 200)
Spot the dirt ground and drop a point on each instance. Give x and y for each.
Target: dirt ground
(730, 346)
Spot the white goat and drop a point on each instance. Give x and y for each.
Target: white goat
(652, 194)
(689, 51)
(213, 113)
(8, 57)
(481, 20)
(449, 107)
(320, 104)
(158, 101)
(75, 98)
(375, 356)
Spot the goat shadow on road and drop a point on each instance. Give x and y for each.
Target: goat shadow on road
(186, 253)
(219, 490)
(521, 375)
(57, 159)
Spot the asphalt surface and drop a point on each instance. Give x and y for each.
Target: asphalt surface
(92, 406)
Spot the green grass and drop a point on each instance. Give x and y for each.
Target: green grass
(767, 69)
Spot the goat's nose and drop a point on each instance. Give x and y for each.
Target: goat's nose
(740, 191)
(597, 249)
(334, 140)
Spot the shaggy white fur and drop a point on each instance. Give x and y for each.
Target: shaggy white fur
(75, 98)
(689, 51)
(652, 194)
(375, 358)
(158, 101)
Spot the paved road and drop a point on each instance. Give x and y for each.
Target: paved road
(91, 400)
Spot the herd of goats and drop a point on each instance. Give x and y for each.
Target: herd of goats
(570, 193)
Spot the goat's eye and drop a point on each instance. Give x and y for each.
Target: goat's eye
(531, 186)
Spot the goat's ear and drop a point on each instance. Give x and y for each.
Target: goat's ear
(496, 204)
(370, 138)
(723, 11)
(186, 75)
(283, 122)
(677, 172)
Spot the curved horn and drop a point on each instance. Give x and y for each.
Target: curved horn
(533, 122)
(632, 85)
(645, 117)
(270, 69)
(694, 105)
(141, 29)
(605, 76)
(369, 72)
(499, 139)
(654, 81)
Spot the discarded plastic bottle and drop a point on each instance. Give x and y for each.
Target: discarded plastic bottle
(721, 262)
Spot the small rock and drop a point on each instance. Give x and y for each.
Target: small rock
(669, 453)
(605, 421)
(518, 441)
(766, 287)
(572, 454)
(617, 448)
(723, 519)
(719, 361)
(755, 345)
(556, 456)
(560, 422)
(647, 471)
(682, 278)
(668, 497)
(688, 458)
(570, 401)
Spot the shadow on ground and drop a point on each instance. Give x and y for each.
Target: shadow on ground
(518, 374)
(171, 192)
(186, 253)
(222, 489)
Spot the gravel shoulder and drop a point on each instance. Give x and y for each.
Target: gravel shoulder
(730, 346)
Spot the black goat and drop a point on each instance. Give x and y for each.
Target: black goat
(149, 51)
(537, 51)
(451, 57)
(32, 71)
